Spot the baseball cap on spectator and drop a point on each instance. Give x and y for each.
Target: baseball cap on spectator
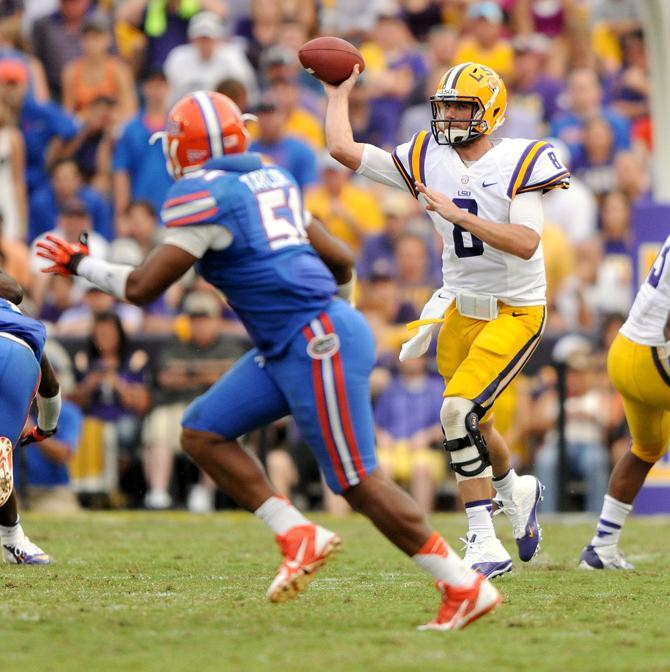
(267, 103)
(202, 304)
(535, 43)
(277, 55)
(206, 24)
(74, 207)
(486, 10)
(13, 70)
(95, 22)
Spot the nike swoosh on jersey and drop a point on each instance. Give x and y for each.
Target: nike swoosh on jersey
(518, 314)
(490, 184)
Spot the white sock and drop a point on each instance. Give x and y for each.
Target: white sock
(11, 533)
(505, 484)
(612, 518)
(280, 515)
(440, 560)
(479, 518)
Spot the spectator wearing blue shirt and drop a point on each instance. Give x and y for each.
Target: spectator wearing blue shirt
(407, 417)
(290, 153)
(139, 168)
(585, 101)
(37, 83)
(65, 184)
(48, 132)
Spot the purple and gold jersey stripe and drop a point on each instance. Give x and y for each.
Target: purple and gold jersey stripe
(404, 174)
(524, 167)
(418, 156)
(558, 180)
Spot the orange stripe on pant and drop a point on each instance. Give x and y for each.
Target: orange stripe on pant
(323, 415)
(343, 403)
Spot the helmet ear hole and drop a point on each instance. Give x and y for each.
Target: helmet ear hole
(496, 111)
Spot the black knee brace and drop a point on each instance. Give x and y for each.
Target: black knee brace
(474, 438)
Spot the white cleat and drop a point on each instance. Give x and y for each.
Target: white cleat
(522, 512)
(21, 551)
(486, 555)
(603, 557)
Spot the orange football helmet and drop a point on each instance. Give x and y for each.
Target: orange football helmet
(201, 126)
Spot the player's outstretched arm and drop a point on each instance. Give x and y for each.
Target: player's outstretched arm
(333, 252)
(139, 285)
(339, 135)
(336, 255)
(48, 405)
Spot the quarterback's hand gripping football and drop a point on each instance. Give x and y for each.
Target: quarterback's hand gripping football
(346, 86)
(35, 435)
(65, 256)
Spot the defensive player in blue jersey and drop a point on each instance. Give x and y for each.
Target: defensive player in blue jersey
(241, 222)
(24, 370)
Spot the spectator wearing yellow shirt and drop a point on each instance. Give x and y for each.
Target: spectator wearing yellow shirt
(486, 45)
(348, 212)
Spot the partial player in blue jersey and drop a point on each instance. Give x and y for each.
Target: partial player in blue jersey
(240, 221)
(24, 370)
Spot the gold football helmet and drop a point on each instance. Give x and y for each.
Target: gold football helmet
(468, 83)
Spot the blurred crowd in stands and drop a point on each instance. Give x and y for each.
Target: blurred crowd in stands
(85, 84)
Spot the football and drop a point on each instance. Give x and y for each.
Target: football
(330, 59)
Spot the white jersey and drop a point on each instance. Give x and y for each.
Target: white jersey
(484, 188)
(647, 318)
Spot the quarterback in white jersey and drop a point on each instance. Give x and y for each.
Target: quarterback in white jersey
(484, 198)
(638, 364)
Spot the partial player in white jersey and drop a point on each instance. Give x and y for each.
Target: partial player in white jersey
(484, 197)
(638, 364)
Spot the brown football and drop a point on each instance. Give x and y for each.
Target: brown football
(330, 59)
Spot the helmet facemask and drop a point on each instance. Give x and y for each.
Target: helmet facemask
(456, 131)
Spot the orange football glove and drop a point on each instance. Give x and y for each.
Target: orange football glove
(65, 256)
(35, 435)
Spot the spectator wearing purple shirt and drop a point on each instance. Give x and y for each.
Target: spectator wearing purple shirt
(378, 253)
(111, 378)
(529, 83)
(405, 66)
(407, 416)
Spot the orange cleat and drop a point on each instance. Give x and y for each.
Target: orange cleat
(306, 548)
(462, 606)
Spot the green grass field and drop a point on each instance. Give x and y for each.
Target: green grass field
(172, 592)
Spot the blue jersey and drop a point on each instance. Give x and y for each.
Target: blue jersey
(266, 268)
(14, 322)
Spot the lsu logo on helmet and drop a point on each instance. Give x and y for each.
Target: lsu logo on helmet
(474, 84)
